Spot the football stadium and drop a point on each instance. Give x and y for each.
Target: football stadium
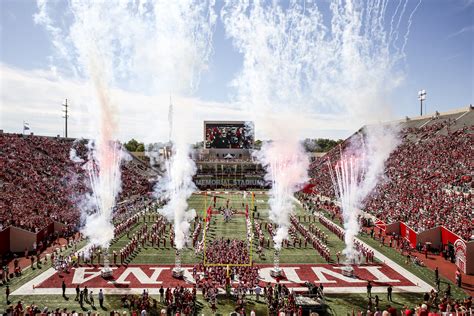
(220, 210)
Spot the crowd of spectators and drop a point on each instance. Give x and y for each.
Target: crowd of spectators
(280, 300)
(36, 177)
(41, 183)
(433, 303)
(422, 179)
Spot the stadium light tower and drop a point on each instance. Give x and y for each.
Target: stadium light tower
(421, 97)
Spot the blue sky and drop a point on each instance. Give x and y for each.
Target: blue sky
(439, 58)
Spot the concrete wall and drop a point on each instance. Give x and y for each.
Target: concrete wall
(432, 235)
(438, 236)
(58, 227)
(16, 239)
(5, 241)
(470, 258)
(20, 238)
(393, 228)
(43, 234)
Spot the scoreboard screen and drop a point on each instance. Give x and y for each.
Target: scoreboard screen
(236, 135)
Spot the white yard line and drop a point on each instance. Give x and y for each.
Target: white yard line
(155, 291)
(27, 288)
(421, 286)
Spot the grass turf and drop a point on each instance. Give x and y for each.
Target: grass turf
(113, 303)
(338, 304)
(235, 228)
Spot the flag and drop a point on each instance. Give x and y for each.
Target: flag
(308, 188)
(381, 225)
(26, 126)
(209, 214)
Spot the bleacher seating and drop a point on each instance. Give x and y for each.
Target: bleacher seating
(40, 183)
(428, 178)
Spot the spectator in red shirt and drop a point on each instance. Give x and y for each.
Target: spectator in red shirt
(392, 310)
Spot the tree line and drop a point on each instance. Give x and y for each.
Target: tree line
(319, 145)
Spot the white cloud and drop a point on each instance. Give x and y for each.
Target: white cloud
(466, 29)
(467, 3)
(36, 96)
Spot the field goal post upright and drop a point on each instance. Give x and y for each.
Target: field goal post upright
(205, 205)
(252, 202)
(251, 215)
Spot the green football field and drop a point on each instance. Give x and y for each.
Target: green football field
(234, 229)
(338, 304)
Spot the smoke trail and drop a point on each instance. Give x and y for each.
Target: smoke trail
(301, 60)
(357, 173)
(91, 51)
(103, 170)
(392, 29)
(286, 164)
(103, 166)
(176, 187)
(339, 62)
(410, 21)
(269, 83)
(175, 47)
(155, 47)
(397, 29)
(170, 120)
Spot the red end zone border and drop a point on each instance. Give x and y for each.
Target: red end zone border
(134, 278)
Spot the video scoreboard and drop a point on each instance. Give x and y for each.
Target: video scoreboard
(228, 135)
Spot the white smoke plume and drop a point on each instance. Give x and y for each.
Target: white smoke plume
(176, 187)
(170, 120)
(357, 173)
(155, 152)
(89, 46)
(296, 57)
(286, 165)
(74, 157)
(103, 170)
(311, 58)
(183, 40)
(175, 47)
(156, 47)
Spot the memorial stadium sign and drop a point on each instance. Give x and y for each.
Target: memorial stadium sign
(231, 182)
